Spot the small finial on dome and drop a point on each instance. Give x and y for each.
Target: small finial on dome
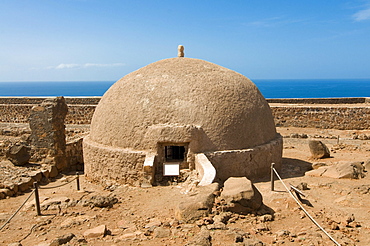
(180, 51)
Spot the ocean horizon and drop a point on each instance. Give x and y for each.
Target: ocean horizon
(270, 88)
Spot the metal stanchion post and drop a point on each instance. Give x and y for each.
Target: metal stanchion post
(272, 177)
(78, 181)
(37, 199)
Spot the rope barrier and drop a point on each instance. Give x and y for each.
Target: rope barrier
(35, 191)
(57, 186)
(304, 210)
(11, 217)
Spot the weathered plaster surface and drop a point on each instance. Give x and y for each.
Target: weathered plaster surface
(228, 106)
(182, 102)
(251, 163)
(207, 172)
(109, 165)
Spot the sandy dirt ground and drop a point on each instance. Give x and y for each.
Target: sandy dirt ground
(147, 216)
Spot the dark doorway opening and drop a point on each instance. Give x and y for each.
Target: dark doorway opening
(174, 153)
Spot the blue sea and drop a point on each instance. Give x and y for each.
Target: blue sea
(270, 88)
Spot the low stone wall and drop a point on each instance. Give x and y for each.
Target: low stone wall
(80, 114)
(15, 113)
(17, 109)
(38, 100)
(343, 118)
(251, 163)
(350, 100)
(19, 113)
(107, 165)
(290, 112)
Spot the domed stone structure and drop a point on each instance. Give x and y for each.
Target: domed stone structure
(181, 113)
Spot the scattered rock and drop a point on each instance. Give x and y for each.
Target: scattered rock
(123, 224)
(294, 135)
(19, 154)
(361, 137)
(262, 227)
(343, 170)
(204, 221)
(253, 242)
(350, 219)
(160, 232)
(53, 171)
(62, 240)
(203, 238)
(238, 238)
(25, 184)
(298, 135)
(99, 231)
(217, 226)
(129, 235)
(45, 173)
(74, 221)
(334, 226)
(222, 217)
(100, 201)
(197, 206)
(35, 175)
(354, 224)
(265, 218)
(154, 222)
(358, 170)
(54, 202)
(11, 186)
(241, 195)
(283, 233)
(318, 149)
(6, 192)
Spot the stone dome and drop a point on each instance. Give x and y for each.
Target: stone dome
(181, 113)
(225, 104)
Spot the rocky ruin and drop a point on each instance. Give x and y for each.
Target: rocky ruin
(40, 151)
(48, 139)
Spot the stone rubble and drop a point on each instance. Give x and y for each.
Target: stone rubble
(217, 224)
(341, 170)
(222, 223)
(19, 153)
(318, 149)
(240, 195)
(96, 232)
(99, 201)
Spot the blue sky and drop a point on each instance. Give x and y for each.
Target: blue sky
(94, 40)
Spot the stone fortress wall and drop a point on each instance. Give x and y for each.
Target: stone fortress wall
(324, 113)
(337, 113)
(17, 109)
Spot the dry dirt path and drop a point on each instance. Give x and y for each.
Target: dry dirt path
(131, 221)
